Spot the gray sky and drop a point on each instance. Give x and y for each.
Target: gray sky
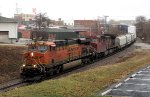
(69, 10)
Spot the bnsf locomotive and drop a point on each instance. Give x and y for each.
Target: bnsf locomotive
(49, 57)
(44, 57)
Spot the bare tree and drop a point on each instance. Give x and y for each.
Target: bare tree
(140, 19)
(140, 22)
(42, 21)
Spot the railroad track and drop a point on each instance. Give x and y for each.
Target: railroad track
(12, 85)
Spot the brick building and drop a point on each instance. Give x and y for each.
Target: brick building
(24, 33)
(91, 27)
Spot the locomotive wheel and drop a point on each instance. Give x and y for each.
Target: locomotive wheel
(106, 53)
(58, 69)
(85, 61)
(91, 59)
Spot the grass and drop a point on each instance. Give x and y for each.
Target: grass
(10, 61)
(84, 84)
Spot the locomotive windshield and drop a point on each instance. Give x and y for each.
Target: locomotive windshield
(41, 48)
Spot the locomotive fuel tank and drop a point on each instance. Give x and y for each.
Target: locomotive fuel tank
(72, 64)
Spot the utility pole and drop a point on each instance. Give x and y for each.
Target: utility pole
(98, 25)
(100, 22)
(105, 24)
(0, 11)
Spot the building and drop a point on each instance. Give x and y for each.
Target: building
(24, 17)
(123, 22)
(58, 22)
(8, 30)
(54, 34)
(91, 27)
(24, 33)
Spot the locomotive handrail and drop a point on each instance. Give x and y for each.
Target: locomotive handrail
(38, 65)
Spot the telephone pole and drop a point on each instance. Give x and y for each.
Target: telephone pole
(105, 24)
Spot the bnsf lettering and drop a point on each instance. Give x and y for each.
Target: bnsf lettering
(72, 49)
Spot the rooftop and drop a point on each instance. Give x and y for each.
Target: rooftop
(55, 30)
(7, 20)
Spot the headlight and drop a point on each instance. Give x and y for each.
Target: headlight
(32, 54)
(23, 65)
(34, 66)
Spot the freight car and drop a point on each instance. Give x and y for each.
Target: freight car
(44, 57)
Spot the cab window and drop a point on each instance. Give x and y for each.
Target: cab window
(42, 48)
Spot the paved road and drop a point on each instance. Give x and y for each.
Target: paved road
(137, 85)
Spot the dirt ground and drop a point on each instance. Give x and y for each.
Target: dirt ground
(10, 61)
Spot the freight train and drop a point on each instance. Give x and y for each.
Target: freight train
(49, 57)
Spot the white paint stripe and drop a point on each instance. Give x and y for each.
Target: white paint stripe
(126, 79)
(148, 67)
(118, 85)
(145, 71)
(133, 75)
(139, 72)
(104, 93)
(140, 79)
(147, 75)
(131, 90)
(136, 84)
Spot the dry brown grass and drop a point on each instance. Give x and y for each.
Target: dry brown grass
(10, 61)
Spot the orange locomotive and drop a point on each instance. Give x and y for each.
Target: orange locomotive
(45, 57)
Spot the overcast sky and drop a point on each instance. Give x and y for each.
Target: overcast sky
(69, 10)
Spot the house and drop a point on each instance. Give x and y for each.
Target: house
(8, 30)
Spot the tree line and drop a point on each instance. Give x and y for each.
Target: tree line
(143, 28)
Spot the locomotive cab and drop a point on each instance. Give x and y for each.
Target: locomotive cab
(35, 58)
